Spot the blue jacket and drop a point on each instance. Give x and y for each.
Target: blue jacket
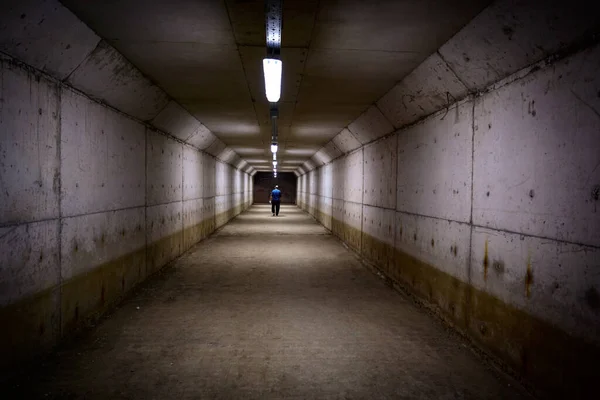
(276, 195)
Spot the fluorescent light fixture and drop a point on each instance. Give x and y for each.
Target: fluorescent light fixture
(274, 148)
(272, 70)
(274, 164)
(274, 156)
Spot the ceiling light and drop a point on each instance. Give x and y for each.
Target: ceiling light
(274, 148)
(272, 69)
(274, 164)
(274, 156)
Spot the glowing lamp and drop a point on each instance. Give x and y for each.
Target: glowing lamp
(272, 69)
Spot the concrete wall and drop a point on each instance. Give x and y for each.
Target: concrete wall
(488, 209)
(92, 202)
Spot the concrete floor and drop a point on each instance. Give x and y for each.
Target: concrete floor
(268, 308)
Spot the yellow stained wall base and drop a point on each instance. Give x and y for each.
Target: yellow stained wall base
(557, 364)
(34, 325)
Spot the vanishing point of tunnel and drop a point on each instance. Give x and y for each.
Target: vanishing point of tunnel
(436, 164)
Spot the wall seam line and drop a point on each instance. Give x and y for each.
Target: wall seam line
(68, 76)
(362, 200)
(146, 198)
(384, 116)
(469, 90)
(468, 305)
(182, 196)
(59, 90)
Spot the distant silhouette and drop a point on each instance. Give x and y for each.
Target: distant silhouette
(275, 200)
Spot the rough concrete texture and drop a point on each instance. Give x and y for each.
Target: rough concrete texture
(515, 119)
(102, 157)
(379, 176)
(435, 165)
(293, 314)
(430, 87)
(503, 39)
(106, 74)
(45, 35)
(509, 35)
(50, 38)
(345, 141)
(370, 125)
(176, 121)
(489, 218)
(93, 202)
(28, 192)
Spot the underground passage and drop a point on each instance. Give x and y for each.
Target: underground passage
(303, 199)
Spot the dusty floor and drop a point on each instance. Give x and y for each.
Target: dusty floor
(268, 308)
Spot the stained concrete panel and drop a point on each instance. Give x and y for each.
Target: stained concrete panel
(309, 165)
(338, 172)
(29, 260)
(238, 202)
(445, 245)
(353, 214)
(555, 281)
(107, 75)
(535, 172)
(326, 211)
(216, 148)
(321, 157)
(102, 157)
(227, 155)
(238, 185)
(45, 35)
(208, 211)
(326, 181)
(434, 165)
(177, 121)
(164, 176)
(313, 204)
(29, 146)
(428, 88)
(337, 211)
(223, 209)
(208, 184)
(193, 216)
(345, 141)
(352, 225)
(509, 35)
(353, 182)
(379, 176)
(163, 234)
(202, 138)
(371, 125)
(379, 223)
(332, 150)
(94, 240)
(193, 173)
(223, 179)
(313, 181)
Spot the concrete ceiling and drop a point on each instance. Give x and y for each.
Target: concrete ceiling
(339, 57)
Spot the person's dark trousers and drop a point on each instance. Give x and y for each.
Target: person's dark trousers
(275, 204)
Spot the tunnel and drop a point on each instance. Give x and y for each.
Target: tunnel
(439, 168)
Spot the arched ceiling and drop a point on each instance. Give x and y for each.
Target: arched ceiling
(339, 57)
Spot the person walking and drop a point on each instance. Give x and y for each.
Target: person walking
(275, 200)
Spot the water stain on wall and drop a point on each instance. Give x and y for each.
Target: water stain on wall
(486, 261)
(528, 277)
